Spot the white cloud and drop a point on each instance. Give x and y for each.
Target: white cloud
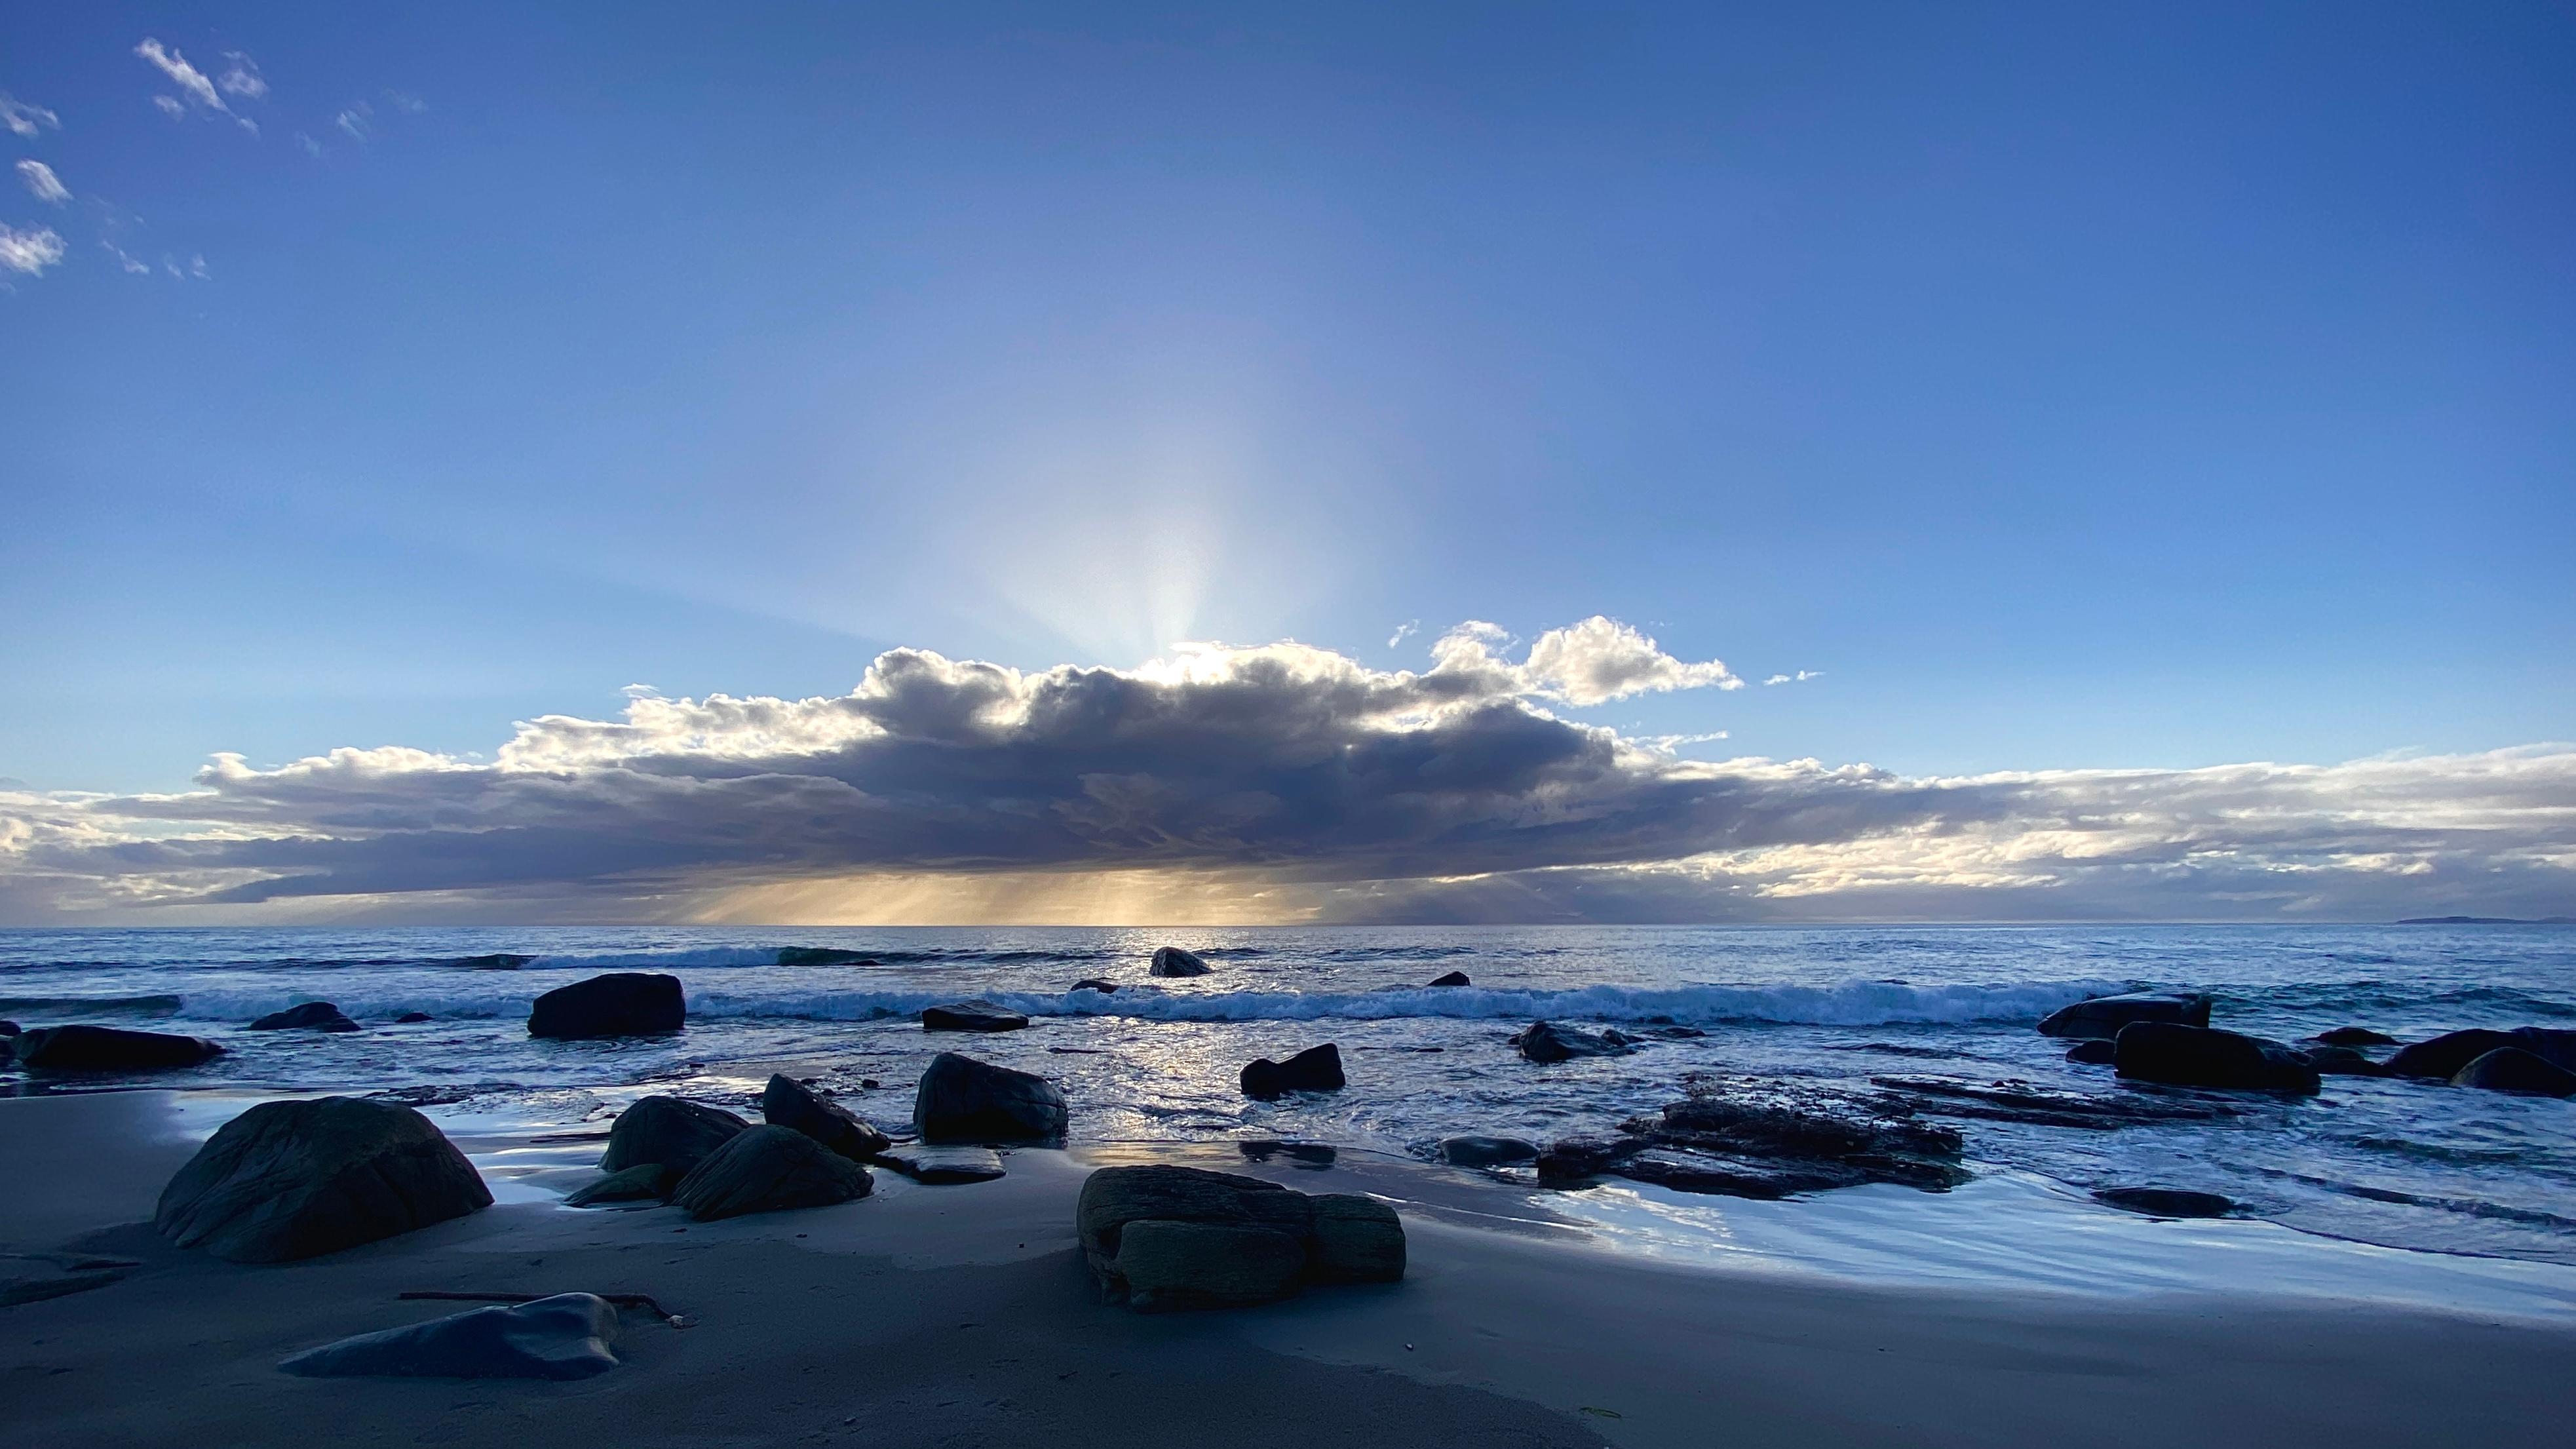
(242, 78)
(133, 265)
(311, 146)
(1585, 664)
(355, 120)
(1404, 631)
(24, 118)
(192, 82)
(195, 267)
(405, 102)
(43, 183)
(1801, 677)
(30, 252)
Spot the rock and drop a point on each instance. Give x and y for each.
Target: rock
(1094, 983)
(1684, 1170)
(1809, 1135)
(83, 1048)
(621, 1003)
(960, 1099)
(2093, 1052)
(409, 1017)
(822, 956)
(787, 1102)
(1173, 961)
(1453, 978)
(2342, 1061)
(2444, 1055)
(8, 1028)
(676, 1134)
(35, 1277)
(2354, 1036)
(944, 1166)
(2103, 1016)
(1547, 1042)
(1298, 1154)
(976, 1015)
(1355, 1240)
(1316, 1069)
(2511, 1069)
(1486, 1151)
(493, 961)
(643, 1180)
(2556, 1046)
(1169, 1265)
(767, 1170)
(2198, 1056)
(568, 1336)
(2016, 1101)
(2167, 1202)
(311, 1016)
(297, 1179)
(1179, 1237)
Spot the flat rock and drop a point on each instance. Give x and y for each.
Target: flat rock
(944, 1166)
(1487, 1151)
(766, 1170)
(2354, 1036)
(35, 1277)
(2511, 1069)
(1451, 978)
(295, 1179)
(2198, 1056)
(1173, 961)
(960, 1099)
(676, 1133)
(567, 1336)
(2103, 1016)
(1316, 1069)
(1545, 1041)
(1684, 1170)
(2017, 1101)
(310, 1016)
(633, 1184)
(1164, 1238)
(621, 1003)
(787, 1102)
(2167, 1202)
(85, 1048)
(976, 1015)
(1172, 1265)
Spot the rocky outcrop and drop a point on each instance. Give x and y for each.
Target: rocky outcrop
(2166, 1202)
(675, 1133)
(960, 1099)
(2016, 1101)
(2353, 1036)
(2511, 1069)
(976, 1015)
(1764, 1147)
(83, 1048)
(767, 1170)
(2198, 1056)
(1316, 1069)
(288, 1180)
(1487, 1151)
(1173, 961)
(787, 1102)
(1452, 978)
(2093, 1052)
(2103, 1016)
(567, 1336)
(1545, 1041)
(2444, 1055)
(311, 1016)
(1164, 1238)
(621, 1003)
(632, 1184)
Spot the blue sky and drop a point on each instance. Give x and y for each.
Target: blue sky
(2066, 387)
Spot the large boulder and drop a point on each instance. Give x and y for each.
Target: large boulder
(2554, 1045)
(976, 1015)
(621, 1003)
(83, 1048)
(1355, 1240)
(2511, 1069)
(1168, 1265)
(567, 1336)
(671, 1131)
(1452, 978)
(767, 1170)
(1316, 1069)
(787, 1102)
(2199, 1056)
(1173, 961)
(627, 1184)
(1547, 1042)
(2103, 1016)
(960, 1099)
(288, 1180)
(2444, 1055)
(310, 1016)
(1181, 1237)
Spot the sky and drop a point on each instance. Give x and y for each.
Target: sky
(1369, 463)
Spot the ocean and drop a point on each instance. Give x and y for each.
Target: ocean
(2394, 1163)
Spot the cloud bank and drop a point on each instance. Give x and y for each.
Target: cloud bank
(1272, 782)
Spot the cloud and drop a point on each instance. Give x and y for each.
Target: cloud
(355, 120)
(311, 146)
(405, 102)
(43, 183)
(30, 252)
(133, 265)
(25, 119)
(171, 105)
(1801, 677)
(192, 82)
(1404, 631)
(195, 267)
(1306, 784)
(242, 78)
(1593, 662)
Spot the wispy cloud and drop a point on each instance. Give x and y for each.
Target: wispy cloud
(193, 268)
(171, 105)
(241, 77)
(356, 120)
(134, 266)
(406, 102)
(192, 82)
(311, 147)
(42, 183)
(30, 252)
(1404, 631)
(1801, 677)
(26, 119)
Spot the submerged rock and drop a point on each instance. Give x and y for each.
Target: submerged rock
(1487, 1151)
(2342, 1061)
(493, 961)
(2511, 1069)
(1173, 961)
(787, 1102)
(671, 1131)
(2167, 1202)
(84, 1048)
(767, 1170)
(288, 1180)
(976, 1015)
(1095, 983)
(1545, 1041)
(1764, 1147)
(2093, 1052)
(567, 1336)
(2018, 1101)
(409, 1017)
(823, 956)
(621, 1003)
(633, 1184)
(1316, 1069)
(945, 1166)
(2353, 1036)
(1453, 978)
(311, 1016)
(2198, 1056)
(1164, 1238)
(2103, 1016)
(2444, 1055)
(960, 1099)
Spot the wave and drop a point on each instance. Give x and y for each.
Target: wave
(81, 1006)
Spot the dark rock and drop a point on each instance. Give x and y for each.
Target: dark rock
(960, 1099)
(494, 961)
(409, 1017)
(1355, 1240)
(644, 1180)
(1547, 1042)
(1314, 1155)
(2511, 1069)
(1573, 1159)
(2103, 1016)
(767, 1170)
(1094, 983)
(1487, 1151)
(1684, 1170)
(944, 1166)
(976, 1015)
(1179, 1237)
(2093, 1052)
(35, 1277)
(787, 1102)
(2354, 1036)
(2198, 1056)
(2556, 1046)
(8, 1028)
(675, 1133)
(1173, 961)
(83, 1048)
(2444, 1055)
(621, 1003)
(1816, 1136)
(2167, 1202)
(2342, 1061)
(822, 956)
(568, 1336)
(1316, 1069)
(1454, 978)
(311, 1016)
(296, 1179)
(2017, 1101)
(1166, 1265)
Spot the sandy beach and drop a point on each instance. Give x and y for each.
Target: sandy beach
(963, 1315)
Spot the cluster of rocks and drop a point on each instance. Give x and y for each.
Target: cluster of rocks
(2167, 1039)
(1166, 1238)
(1765, 1145)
